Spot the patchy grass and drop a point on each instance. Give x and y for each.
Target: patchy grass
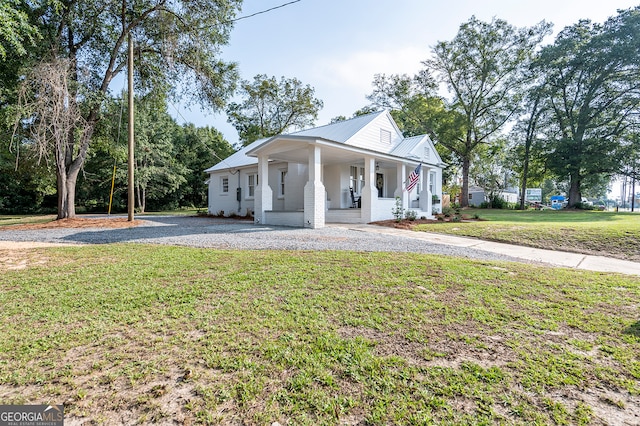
(589, 232)
(7, 220)
(139, 333)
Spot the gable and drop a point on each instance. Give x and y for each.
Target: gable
(381, 134)
(418, 148)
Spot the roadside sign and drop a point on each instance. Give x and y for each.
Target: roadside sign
(533, 195)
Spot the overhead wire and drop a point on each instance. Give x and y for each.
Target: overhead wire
(263, 11)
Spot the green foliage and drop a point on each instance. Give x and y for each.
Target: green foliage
(398, 210)
(16, 28)
(171, 159)
(483, 70)
(591, 77)
(272, 107)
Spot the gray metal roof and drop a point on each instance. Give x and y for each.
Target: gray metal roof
(342, 130)
(407, 145)
(238, 159)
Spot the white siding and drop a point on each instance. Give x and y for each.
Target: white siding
(369, 136)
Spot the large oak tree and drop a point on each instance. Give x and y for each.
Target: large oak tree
(176, 45)
(592, 84)
(482, 70)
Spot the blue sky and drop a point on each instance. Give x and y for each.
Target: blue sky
(337, 46)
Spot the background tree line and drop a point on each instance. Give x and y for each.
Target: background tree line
(502, 108)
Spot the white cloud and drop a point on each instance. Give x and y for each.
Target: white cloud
(354, 72)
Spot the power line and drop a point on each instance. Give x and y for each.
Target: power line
(264, 11)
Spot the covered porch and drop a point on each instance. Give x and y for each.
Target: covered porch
(307, 182)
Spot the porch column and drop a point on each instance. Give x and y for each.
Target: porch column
(314, 192)
(369, 194)
(425, 194)
(401, 173)
(263, 200)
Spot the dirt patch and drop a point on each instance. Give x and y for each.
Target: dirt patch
(77, 223)
(410, 224)
(16, 255)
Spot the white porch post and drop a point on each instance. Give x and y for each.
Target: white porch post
(401, 173)
(425, 194)
(314, 192)
(369, 194)
(264, 195)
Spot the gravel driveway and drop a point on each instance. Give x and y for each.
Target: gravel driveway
(241, 235)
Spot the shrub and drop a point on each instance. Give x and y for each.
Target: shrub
(398, 210)
(411, 215)
(448, 211)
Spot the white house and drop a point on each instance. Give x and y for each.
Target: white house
(307, 178)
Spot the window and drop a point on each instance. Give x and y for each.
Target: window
(470, 195)
(385, 136)
(432, 179)
(224, 184)
(427, 153)
(356, 178)
(283, 175)
(252, 181)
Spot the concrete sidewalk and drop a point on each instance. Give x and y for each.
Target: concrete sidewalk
(552, 257)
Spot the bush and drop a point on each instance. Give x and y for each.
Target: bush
(410, 215)
(398, 210)
(448, 211)
(498, 202)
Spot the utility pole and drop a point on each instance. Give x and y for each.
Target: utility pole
(131, 198)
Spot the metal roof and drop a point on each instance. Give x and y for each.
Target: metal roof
(404, 148)
(342, 130)
(238, 159)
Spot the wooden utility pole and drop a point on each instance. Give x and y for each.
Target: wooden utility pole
(131, 198)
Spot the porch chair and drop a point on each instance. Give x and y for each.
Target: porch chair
(354, 202)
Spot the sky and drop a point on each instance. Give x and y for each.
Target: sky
(337, 46)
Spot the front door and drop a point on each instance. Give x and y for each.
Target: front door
(380, 184)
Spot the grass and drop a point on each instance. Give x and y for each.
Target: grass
(590, 232)
(6, 220)
(141, 333)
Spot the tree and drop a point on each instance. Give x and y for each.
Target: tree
(270, 107)
(482, 70)
(198, 148)
(175, 41)
(592, 77)
(418, 110)
(16, 29)
(526, 154)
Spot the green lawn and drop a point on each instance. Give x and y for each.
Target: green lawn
(6, 220)
(128, 333)
(590, 232)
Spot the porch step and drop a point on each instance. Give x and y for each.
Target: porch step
(342, 216)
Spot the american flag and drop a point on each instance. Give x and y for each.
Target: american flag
(413, 178)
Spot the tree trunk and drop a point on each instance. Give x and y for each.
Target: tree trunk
(575, 195)
(464, 193)
(142, 198)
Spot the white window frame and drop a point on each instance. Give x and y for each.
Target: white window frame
(432, 184)
(282, 176)
(252, 183)
(224, 185)
(356, 182)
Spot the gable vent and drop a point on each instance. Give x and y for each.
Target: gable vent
(385, 136)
